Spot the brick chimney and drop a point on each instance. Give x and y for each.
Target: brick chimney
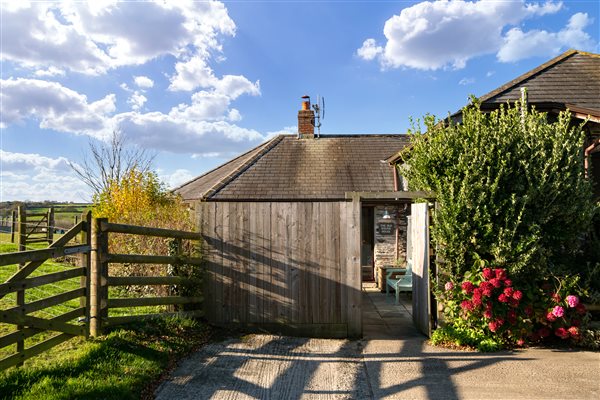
(306, 120)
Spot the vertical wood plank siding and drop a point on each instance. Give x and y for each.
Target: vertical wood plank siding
(290, 267)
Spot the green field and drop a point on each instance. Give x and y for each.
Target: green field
(65, 214)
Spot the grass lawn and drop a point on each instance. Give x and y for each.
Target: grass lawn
(124, 364)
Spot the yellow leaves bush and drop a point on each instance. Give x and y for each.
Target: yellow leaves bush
(139, 198)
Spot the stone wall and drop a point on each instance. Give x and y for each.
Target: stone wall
(385, 235)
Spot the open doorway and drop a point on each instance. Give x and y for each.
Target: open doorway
(367, 233)
(389, 246)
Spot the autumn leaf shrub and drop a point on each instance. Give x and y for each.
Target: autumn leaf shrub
(512, 194)
(139, 198)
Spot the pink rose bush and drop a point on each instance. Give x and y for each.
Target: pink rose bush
(490, 305)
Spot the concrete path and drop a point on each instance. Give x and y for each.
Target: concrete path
(393, 361)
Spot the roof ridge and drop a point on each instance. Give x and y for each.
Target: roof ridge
(243, 167)
(529, 74)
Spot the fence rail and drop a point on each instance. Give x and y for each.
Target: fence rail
(92, 314)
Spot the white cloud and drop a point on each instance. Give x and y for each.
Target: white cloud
(466, 81)
(50, 71)
(233, 86)
(202, 126)
(143, 82)
(191, 74)
(195, 73)
(369, 50)
(177, 132)
(54, 106)
(519, 45)
(92, 37)
(288, 130)
(441, 34)
(55, 38)
(27, 176)
(176, 178)
(137, 101)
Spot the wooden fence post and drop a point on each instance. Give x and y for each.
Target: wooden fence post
(50, 231)
(98, 277)
(84, 262)
(175, 247)
(22, 234)
(13, 226)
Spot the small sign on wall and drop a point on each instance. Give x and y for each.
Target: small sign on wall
(385, 228)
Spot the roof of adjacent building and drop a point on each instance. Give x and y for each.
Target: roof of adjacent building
(571, 80)
(288, 168)
(568, 81)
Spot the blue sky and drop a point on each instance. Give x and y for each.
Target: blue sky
(199, 82)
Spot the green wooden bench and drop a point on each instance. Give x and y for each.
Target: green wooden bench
(400, 283)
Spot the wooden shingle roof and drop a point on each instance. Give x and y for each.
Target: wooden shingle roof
(287, 168)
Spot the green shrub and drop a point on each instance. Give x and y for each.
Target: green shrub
(510, 188)
(451, 335)
(512, 194)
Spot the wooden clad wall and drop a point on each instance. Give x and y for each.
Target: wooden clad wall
(290, 267)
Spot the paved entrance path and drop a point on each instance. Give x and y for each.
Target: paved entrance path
(392, 361)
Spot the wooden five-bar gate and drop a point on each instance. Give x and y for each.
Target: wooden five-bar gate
(90, 314)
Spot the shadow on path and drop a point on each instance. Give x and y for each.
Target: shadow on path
(392, 361)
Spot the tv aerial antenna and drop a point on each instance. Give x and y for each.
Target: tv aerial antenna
(319, 113)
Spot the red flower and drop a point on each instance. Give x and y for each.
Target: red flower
(488, 273)
(494, 325)
(517, 295)
(488, 314)
(520, 342)
(476, 301)
(556, 297)
(496, 282)
(507, 282)
(561, 333)
(580, 308)
(467, 287)
(574, 332)
(508, 291)
(466, 305)
(501, 273)
(550, 317)
(503, 298)
(513, 303)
